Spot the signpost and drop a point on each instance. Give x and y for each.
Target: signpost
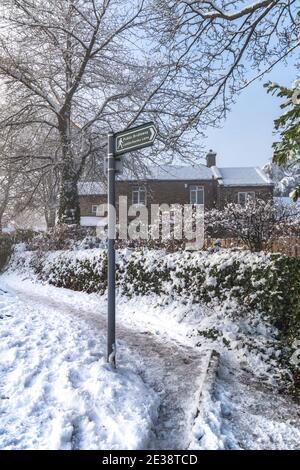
(135, 139)
(122, 142)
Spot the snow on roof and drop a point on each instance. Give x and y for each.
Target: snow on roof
(173, 172)
(242, 176)
(216, 173)
(91, 188)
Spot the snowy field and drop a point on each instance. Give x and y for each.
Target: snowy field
(59, 393)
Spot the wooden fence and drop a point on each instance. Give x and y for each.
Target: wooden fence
(289, 246)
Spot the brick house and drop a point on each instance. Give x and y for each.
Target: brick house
(207, 184)
(91, 194)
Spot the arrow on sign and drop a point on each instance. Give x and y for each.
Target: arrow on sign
(135, 138)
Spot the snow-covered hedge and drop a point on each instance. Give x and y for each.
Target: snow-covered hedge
(253, 281)
(64, 237)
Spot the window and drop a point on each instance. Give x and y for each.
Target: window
(95, 209)
(196, 195)
(139, 195)
(243, 197)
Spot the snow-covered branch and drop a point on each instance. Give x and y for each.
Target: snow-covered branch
(213, 11)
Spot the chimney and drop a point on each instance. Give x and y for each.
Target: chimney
(211, 159)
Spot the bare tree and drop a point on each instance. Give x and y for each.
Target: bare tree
(71, 76)
(28, 180)
(8, 180)
(49, 197)
(5, 190)
(74, 70)
(222, 46)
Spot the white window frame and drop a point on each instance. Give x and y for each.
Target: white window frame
(95, 206)
(246, 194)
(196, 189)
(138, 190)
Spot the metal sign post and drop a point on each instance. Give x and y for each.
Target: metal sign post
(111, 285)
(118, 144)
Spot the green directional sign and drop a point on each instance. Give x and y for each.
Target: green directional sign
(135, 138)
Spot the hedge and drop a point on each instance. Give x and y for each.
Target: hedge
(260, 282)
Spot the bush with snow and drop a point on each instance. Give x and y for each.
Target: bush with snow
(285, 178)
(238, 280)
(64, 237)
(256, 224)
(8, 240)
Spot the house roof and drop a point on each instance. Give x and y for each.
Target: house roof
(241, 176)
(237, 176)
(172, 172)
(91, 188)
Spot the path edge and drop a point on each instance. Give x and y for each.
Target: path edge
(206, 385)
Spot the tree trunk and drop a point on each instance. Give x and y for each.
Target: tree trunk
(69, 208)
(50, 216)
(2, 210)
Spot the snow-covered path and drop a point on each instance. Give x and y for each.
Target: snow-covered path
(56, 390)
(151, 356)
(92, 407)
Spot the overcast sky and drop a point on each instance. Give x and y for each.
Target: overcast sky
(246, 137)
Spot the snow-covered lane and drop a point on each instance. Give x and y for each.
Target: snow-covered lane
(244, 409)
(56, 391)
(171, 369)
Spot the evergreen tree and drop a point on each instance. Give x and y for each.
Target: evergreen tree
(287, 148)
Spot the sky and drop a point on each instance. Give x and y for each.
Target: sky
(247, 135)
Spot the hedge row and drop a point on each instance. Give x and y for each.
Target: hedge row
(267, 283)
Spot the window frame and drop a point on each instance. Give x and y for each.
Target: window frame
(246, 193)
(195, 188)
(95, 212)
(138, 190)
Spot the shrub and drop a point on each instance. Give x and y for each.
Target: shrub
(88, 275)
(62, 237)
(284, 299)
(256, 224)
(23, 236)
(267, 283)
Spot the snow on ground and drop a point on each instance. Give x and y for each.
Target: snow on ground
(141, 312)
(243, 410)
(251, 339)
(57, 392)
(165, 366)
